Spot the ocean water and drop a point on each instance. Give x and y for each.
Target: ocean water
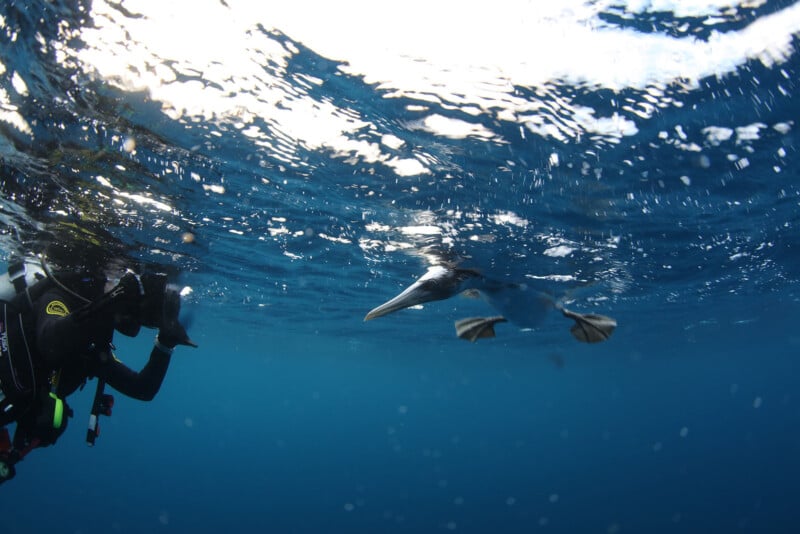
(295, 166)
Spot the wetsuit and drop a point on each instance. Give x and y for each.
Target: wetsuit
(77, 350)
(50, 345)
(53, 339)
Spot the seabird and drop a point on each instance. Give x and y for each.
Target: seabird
(438, 283)
(519, 304)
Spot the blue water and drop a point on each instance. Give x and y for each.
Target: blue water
(294, 185)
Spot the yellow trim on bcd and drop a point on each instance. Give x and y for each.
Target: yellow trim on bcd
(58, 308)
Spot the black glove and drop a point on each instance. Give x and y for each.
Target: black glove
(171, 332)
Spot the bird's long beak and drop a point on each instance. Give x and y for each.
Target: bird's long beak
(414, 294)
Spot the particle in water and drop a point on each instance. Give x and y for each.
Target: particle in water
(349, 507)
(187, 237)
(782, 127)
(684, 432)
(757, 402)
(554, 498)
(686, 180)
(129, 145)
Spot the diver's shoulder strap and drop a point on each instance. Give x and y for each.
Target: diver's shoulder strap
(22, 277)
(16, 275)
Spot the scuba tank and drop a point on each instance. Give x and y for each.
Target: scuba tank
(18, 373)
(41, 416)
(21, 275)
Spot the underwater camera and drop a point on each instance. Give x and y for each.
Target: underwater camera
(160, 300)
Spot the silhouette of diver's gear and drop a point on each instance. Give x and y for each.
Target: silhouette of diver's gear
(148, 301)
(77, 346)
(40, 426)
(7, 457)
(101, 405)
(137, 298)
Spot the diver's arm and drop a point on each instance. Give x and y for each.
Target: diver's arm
(65, 327)
(142, 385)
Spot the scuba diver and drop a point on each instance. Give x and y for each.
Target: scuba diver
(56, 333)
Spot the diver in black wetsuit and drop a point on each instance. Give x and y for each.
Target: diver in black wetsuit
(53, 338)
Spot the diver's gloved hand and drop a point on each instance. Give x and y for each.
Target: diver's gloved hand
(173, 335)
(171, 332)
